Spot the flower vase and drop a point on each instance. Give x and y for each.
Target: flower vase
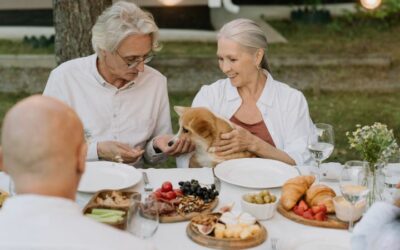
(375, 182)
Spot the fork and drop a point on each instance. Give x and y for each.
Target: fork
(147, 185)
(274, 243)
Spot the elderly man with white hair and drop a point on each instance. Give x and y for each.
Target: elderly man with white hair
(122, 102)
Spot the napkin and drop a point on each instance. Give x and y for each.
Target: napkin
(174, 175)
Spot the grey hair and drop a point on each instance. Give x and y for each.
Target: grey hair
(120, 20)
(247, 33)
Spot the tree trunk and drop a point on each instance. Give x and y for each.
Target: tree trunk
(73, 22)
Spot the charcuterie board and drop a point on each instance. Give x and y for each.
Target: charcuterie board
(225, 243)
(331, 222)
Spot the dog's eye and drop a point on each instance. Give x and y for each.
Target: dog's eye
(184, 130)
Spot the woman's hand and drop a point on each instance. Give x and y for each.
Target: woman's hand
(118, 152)
(238, 140)
(180, 145)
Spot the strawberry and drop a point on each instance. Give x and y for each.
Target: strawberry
(321, 216)
(166, 186)
(297, 210)
(316, 209)
(323, 208)
(308, 214)
(303, 205)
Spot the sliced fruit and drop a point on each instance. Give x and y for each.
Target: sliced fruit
(297, 210)
(308, 214)
(303, 205)
(321, 216)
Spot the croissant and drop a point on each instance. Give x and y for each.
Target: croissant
(321, 194)
(294, 189)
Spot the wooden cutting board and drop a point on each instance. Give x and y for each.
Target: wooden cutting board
(332, 221)
(228, 243)
(178, 218)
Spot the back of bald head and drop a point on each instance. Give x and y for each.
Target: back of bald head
(41, 137)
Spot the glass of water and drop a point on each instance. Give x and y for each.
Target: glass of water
(321, 144)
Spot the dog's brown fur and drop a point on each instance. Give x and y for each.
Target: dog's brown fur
(204, 129)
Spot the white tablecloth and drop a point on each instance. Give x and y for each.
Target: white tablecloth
(173, 236)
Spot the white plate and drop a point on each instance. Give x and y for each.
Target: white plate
(318, 242)
(255, 172)
(108, 175)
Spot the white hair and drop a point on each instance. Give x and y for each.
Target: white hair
(120, 20)
(247, 33)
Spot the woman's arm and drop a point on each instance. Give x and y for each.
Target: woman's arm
(240, 140)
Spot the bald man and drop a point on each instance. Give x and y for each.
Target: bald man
(44, 152)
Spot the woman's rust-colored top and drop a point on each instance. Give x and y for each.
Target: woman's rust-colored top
(258, 129)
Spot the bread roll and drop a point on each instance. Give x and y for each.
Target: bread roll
(321, 194)
(294, 189)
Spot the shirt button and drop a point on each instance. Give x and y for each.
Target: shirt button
(115, 115)
(115, 137)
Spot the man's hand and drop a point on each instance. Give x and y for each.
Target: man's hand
(179, 146)
(118, 152)
(238, 140)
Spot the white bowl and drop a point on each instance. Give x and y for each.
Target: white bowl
(344, 210)
(259, 211)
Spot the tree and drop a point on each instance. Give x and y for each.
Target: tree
(73, 22)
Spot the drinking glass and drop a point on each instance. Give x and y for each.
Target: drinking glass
(353, 185)
(391, 173)
(143, 218)
(321, 145)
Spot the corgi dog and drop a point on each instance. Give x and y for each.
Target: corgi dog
(204, 129)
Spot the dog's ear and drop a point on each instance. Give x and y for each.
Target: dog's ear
(202, 127)
(180, 110)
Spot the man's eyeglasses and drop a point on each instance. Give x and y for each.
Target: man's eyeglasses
(135, 60)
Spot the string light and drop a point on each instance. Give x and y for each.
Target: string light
(170, 2)
(371, 4)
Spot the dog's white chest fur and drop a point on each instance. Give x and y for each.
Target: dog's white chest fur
(203, 157)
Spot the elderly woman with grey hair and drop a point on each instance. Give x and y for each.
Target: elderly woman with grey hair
(122, 102)
(272, 118)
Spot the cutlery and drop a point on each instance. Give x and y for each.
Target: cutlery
(147, 185)
(274, 243)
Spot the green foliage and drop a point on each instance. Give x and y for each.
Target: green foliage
(376, 143)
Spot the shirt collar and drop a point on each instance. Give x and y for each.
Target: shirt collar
(100, 80)
(39, 202)
(267, 94)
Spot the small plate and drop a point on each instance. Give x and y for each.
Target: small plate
(108, 175)
(255, 172)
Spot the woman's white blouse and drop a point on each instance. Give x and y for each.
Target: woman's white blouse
(284, 110)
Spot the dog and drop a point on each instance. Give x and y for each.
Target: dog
(204, 129)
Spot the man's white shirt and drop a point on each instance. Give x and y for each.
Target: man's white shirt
(134, 114)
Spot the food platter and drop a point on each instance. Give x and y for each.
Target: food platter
(186, 217)
(331, 222)
(255, 172)
(225, 243)
(105, 199)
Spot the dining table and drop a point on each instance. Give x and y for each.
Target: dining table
(290, 234)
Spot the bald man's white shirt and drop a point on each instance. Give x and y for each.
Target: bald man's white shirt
(134, 114)
(44, 222)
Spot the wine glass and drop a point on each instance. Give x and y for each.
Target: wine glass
(353, 185)
(321, 145)
(391, 173)
(143, 217)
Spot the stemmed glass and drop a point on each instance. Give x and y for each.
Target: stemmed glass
(353, 185)
(321, 144)
(143, 218)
